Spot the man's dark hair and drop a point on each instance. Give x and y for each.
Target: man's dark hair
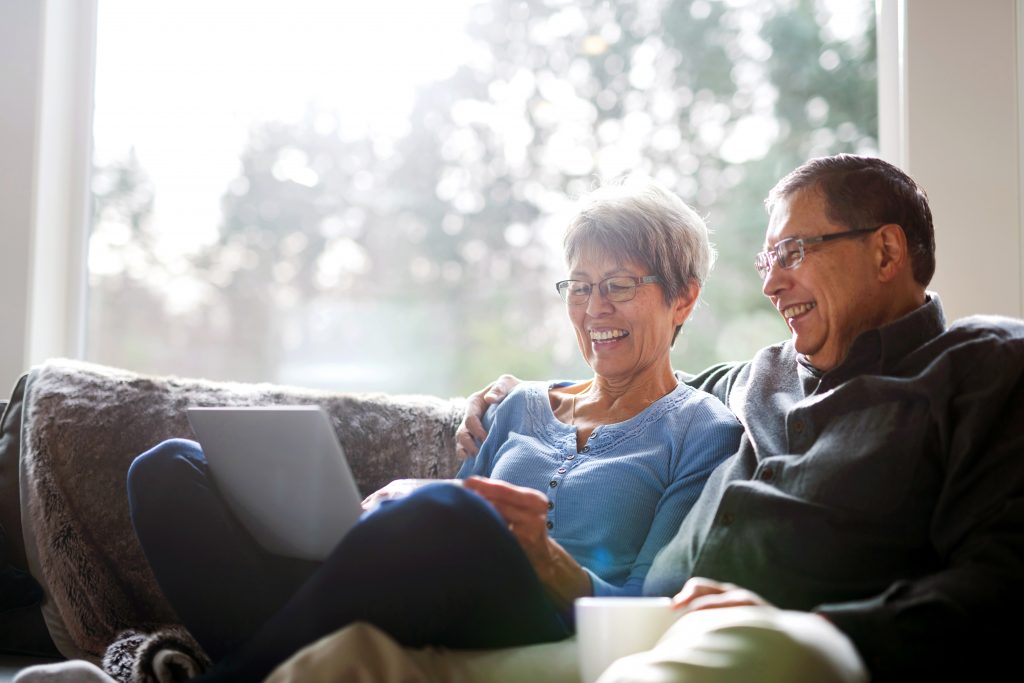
(862, 192)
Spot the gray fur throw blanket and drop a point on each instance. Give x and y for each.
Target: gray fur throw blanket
(84, 424)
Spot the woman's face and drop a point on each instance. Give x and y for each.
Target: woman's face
(620, 340)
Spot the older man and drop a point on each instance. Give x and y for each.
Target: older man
(879, 485)
(872, 522)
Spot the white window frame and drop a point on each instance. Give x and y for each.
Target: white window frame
(47, 68)
(941, 63)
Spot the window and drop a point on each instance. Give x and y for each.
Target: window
(369, 198)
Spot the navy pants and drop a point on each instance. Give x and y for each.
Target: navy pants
(438, 567)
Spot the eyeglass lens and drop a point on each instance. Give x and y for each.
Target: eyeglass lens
(789, 253)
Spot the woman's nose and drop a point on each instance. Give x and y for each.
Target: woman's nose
(598, 304)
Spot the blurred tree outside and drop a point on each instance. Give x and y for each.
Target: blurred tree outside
(424, 262)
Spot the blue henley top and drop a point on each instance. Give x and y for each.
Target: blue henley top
(614, 503)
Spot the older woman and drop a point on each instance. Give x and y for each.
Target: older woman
(585, 482)
(622, 457)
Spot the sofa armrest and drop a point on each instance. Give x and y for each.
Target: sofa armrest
(84, 424)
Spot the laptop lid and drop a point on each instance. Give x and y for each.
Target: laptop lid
(283, 473)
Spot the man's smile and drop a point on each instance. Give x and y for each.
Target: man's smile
(797, 310)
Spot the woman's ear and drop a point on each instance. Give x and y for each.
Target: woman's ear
(892, 253)
(685, 302)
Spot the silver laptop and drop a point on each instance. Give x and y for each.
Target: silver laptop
(283, 473)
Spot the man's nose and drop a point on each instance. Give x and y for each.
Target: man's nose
(775, 281)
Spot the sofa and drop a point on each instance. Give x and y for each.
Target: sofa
(74, 576)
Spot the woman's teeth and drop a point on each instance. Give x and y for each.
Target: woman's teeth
(606, 335)
(799, 309)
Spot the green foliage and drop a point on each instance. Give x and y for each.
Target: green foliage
(424, 263)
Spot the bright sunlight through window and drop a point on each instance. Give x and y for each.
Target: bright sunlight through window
(369, 196)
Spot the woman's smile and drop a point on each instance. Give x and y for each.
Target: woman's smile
(605, 337)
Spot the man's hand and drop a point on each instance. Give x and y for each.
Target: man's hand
(526, 510)
(699, 593)
(471, 430)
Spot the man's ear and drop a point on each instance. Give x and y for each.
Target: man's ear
(685, 302)
(892, 252)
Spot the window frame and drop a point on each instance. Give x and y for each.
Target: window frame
(46, 103)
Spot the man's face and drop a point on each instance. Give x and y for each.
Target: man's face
(835, 294)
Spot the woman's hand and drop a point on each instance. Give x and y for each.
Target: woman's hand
(526, 510)
(471, 430)
(387, 492)
(400, 488)
(699, 593)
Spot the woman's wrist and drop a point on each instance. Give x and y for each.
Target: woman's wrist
(564, 579)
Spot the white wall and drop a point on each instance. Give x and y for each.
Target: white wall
(953, 123)
(20, 69)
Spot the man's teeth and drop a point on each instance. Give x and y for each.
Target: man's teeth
(799, 309)
(605, 335)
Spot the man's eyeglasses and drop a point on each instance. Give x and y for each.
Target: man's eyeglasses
(618, 289)
(789, 253)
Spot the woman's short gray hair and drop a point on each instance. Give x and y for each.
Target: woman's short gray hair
(637, 219)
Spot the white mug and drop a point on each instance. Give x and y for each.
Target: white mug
(609, 628)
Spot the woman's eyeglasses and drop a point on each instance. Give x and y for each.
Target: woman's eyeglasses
(618, 288)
